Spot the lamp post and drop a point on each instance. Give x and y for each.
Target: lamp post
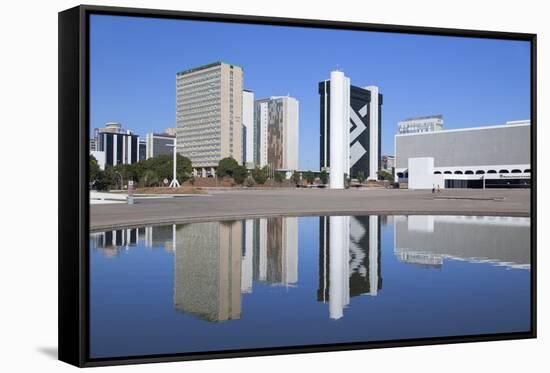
(174, 183)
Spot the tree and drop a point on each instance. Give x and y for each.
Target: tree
(95, 170)
(226, 167)
(295, 177)
(361, 177)
(323, 176)
(279, 177)
(309, 176)
(150, 178)
(260, 175)
(239, 174)
(385, 175)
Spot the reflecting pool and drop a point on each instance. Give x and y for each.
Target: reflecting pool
(291, 281)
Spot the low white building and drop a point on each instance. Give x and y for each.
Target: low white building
(493, 157)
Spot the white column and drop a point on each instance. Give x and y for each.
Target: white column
(130, 149)
(373, 133)
(115, 139)
(124, 138)
(373, 254)
(339, 125)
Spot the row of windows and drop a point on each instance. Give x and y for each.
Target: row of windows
(471, 172)
(481, 172)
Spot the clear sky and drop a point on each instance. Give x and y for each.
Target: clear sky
(472, 82)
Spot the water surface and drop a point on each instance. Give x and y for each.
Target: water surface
(306, 280)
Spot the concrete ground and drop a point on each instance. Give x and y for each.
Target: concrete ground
(227, 204)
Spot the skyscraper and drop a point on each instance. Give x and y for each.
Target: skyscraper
(276, 132)
(209, 115)
(363, 108)
(248, 128)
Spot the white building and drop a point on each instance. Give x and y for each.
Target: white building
(478, 157)
(248, 128)
(421, 124)
(352, 114)
(276, 133)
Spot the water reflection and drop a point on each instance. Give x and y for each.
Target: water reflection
(349, 260)
(306, 280)
(428, 240)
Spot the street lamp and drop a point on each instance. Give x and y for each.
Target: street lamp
(174, 183)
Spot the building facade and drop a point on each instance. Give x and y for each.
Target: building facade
(209, 115)
(248, 128)
(114, 145)
(430, 123)
(362, 109)
(276, 133)
(158, 143)
(477, 157)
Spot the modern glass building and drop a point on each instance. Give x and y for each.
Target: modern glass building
(158, 143)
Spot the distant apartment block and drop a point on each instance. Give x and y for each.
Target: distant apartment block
(388, 162)
(209, 115)
(158, 143)
(430, 123)
(171, 131)
(248, 128)
(276, 133)
(114, 145)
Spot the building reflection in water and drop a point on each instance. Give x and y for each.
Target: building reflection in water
(428, 240)
(207, 270)
(349, 260)
(111, 243)
(216, 262)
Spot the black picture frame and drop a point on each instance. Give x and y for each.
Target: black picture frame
(74, 189)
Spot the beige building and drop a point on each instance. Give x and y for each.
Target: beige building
(209, 115)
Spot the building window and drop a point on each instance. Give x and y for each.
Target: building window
(458, 172)
(469, 172)
(503, 172)
(480, 172)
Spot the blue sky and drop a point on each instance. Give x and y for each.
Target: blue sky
(472, 82)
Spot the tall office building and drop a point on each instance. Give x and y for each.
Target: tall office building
(430, 123)
(248, 128)
(158, 143)
(353, 140)
(114, 145)
(209, 115)
(276, 132)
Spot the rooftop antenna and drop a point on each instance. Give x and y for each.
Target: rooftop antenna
(337, 67)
